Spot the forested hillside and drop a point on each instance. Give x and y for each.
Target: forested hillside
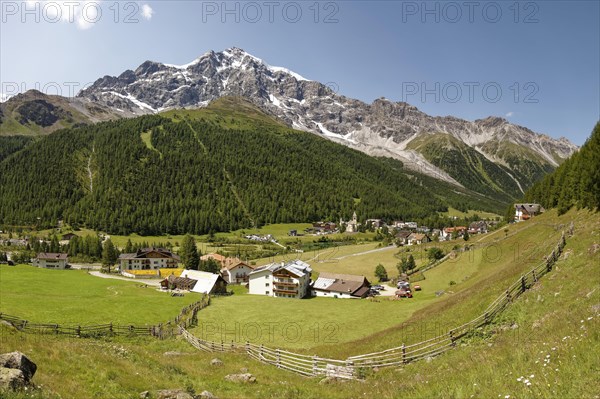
(574, 183)
(221, 168)
(12, 144)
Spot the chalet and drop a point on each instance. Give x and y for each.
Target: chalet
(375, 223)
(478, 227)
(447, 232)
(149, 259)
(51, 260)
(527, 211)
(206, 283)
(402, 237)
(235, 271)
(341, 286)
(283, 280)
(417, 239)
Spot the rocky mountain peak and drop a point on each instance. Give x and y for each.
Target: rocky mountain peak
(383, 127)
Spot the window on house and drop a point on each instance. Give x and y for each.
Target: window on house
(266, 292)
(266, 284)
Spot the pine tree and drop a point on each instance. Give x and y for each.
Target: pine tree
(381, 273)
(189, 253)
(109, 254)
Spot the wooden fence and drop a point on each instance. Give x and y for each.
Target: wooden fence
(355, 366)
(186, 318)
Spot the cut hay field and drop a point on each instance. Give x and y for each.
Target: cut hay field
(75, 297)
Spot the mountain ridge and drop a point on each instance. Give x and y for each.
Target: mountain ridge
(382, 128)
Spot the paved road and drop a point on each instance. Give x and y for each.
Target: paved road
(151, 282)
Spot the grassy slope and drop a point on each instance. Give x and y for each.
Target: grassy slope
(74, 297)
(559, 318)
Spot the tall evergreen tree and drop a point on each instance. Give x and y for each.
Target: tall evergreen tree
(189, 253)
(109, 254)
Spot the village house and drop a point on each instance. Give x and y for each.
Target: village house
(402, 237)
(47, 260)
(206, 283)
(527, 211)
(479, 227)
(220, 259)
(235, 271)
(417, 239)
(448, 232)
(281, 279)
(341, 286)
(149, 259)
(375, 223)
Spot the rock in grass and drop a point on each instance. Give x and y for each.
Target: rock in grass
(216, 362)
(173, 394)
(207, 395)
(17, 360)
(245, 378)
(12, 379)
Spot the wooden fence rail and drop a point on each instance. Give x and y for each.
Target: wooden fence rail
(186, 318)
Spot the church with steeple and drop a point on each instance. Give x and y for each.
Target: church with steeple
(351, 225)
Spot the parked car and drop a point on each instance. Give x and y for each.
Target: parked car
(417, 288)
(402, 293)
(377, 287)
(373, 292)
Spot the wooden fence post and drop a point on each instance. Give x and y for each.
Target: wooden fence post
(56, 329)
(110, 327)
(523, 283)
(549, 263)
(222, 346)
(451, 335)
(232, 346)
(277, 358)
(403, 353)
(260, 352)
(78, 331)
(508, 296)
(247, 346)
(534, 275)
(315, 365)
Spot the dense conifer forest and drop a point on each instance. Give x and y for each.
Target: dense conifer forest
(209, 170)
(575, 183)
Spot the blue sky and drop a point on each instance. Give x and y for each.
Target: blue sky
(535, 63)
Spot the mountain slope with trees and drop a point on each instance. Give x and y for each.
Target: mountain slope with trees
(225, 167)
(576, 182)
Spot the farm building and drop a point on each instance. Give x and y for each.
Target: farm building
(178, 283)
(527, 211)
(149, 259)
(51, 260)
(206, 283)
(284, 280)
(341, 286)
